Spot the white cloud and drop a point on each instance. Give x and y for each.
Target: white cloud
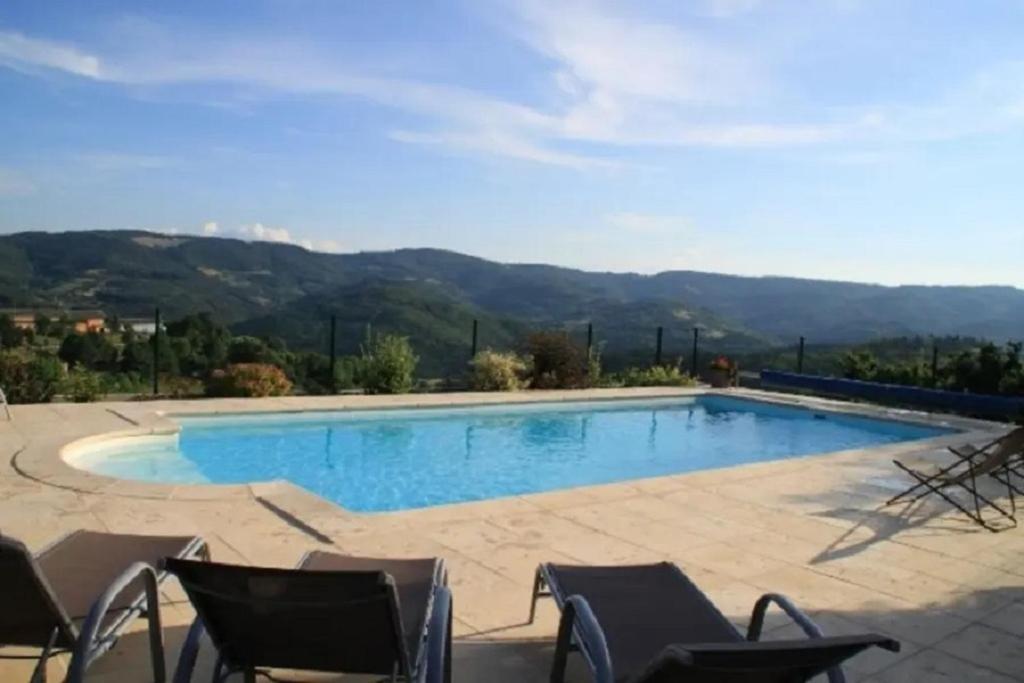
(503, 144)
(263, 233)
(259, 232)
(617, 79)
(20, 52)
(328, 246)
(615, 55)
(210, 228)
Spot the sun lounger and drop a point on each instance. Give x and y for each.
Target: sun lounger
(80, 593)
(651, 624)
(1000, 459)
(333, 613)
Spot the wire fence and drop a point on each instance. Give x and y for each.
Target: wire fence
(445, 351)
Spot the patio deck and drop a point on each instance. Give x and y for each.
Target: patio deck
(812, 528)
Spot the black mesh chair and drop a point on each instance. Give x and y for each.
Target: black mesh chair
(651, 624)
(80, 594)
(333, 613)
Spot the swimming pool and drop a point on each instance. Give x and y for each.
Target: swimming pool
(379, 460)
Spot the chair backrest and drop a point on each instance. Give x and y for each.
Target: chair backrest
(338, 621)
(769, 661)
(30, 610)
(1000, 453)
(1013, 442)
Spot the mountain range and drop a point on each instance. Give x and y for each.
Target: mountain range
(434, 295)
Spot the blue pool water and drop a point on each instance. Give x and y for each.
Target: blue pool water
(399, 459)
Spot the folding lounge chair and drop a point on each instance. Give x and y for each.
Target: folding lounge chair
(999, 459)
(80, 593)
(1014, 443)
(651, 624)
(333, 613)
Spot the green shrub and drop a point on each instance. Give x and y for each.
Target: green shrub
(250, 380)
(83, 386)
(656, 376)
(558, 361)
(30, 379)
(386, 365)
(497, 371)
(176, 386)
(125, 383)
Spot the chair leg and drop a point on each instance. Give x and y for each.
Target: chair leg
(538, 585)
(923, 481)
(942, 494)
(563, 643)
(39, 672)
(973, 490)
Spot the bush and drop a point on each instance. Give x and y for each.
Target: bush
(497, 371)
(656, 376)
(558, 362)
(83, 386)
(250, 380)
(311, 372)
(386, 365)
(30, 380)
(176, 386)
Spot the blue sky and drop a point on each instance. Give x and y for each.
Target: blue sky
(864, 140)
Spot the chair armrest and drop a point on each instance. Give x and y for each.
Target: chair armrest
(786, 605)
(578, 622)
(437, 665)
(806, 624)
(91, 644)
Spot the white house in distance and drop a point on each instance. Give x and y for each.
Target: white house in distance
(140, 325)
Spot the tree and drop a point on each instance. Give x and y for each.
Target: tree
(43, 325)
(137, 356)
(92, 350)
(10, 334)
(206, 343)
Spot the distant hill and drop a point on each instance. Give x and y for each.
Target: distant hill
(433, 295)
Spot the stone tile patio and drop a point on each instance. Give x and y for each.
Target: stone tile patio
(813, 528)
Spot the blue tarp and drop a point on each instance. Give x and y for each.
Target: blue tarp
(967, 404)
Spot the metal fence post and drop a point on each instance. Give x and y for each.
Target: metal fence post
(800, 357)
(657, 350)
(693, 363)
(334, 352)
(590, 338)
(472, 353)
(156, 352)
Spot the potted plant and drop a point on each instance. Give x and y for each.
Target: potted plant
(722, 373)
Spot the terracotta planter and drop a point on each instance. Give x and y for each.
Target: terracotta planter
(720, 379)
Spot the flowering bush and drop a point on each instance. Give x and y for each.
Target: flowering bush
(722, 363)
(249, 380)
(497, 371)
(558, 361)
